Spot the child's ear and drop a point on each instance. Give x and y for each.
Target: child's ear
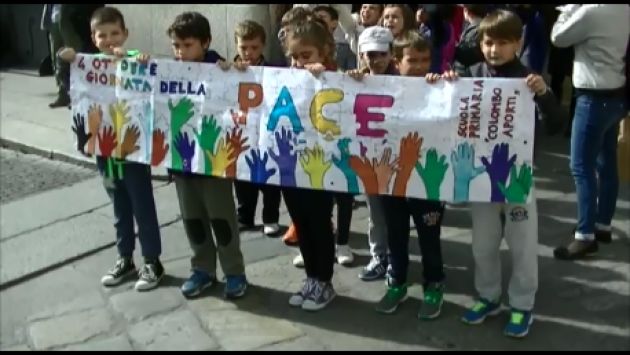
(206, 44)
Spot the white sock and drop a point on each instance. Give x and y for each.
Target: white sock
(585, 237)
(603, 228)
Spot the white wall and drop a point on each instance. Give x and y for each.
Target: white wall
(148, 24)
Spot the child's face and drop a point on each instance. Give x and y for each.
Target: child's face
(303, 53)
(250, 50)
(377, 62)
(370, 14)
(108, 36)
(330, 23)
(393, 19)
(498, 51)
(414, 62)
(189, 49)
(422, 16)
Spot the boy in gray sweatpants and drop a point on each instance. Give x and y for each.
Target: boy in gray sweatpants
(508, 215)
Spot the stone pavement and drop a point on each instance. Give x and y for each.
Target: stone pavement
(580, 305)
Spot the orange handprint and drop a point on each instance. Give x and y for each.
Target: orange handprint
(384, 170)
(159, 148)
(408, 157)
(238, 145)
(128, 145)
(365, 171)
(95, 118)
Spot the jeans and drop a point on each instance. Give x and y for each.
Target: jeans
(594, 157)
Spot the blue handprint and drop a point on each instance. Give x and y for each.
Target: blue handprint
(499, 169)
(286, 159)
(343, 163)
(464, 170)
(186, 149)
(146, 124)
(258, 167)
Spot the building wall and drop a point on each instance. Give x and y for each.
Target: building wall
(148, 24)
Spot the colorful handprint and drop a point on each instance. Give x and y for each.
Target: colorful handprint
(181, 113)
(207, 138)
(128, 146)
(520, 186)
(432, 173)
(498, 169)
(79, 130)
(95, 118)
(160, 147)
(286, 158)
(365, 171)
(315, 165)
(222, 158)
(343, 163)
(464, 171)
(107, 141)
(258, 167)
(407, 160)
(384, 170)
(238, 145)
(186, 150)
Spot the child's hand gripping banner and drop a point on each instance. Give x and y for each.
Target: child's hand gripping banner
(469, 140)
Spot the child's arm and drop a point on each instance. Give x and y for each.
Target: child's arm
(551, 111)
(67, 54)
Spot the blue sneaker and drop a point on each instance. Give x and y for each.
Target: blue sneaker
(196, 283)
(519, 323)
(478, 313)
(235, 286)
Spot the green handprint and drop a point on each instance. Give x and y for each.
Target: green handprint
(207, 139)
(432, 173)
(520, 185)
(315, 166)
(181, 113)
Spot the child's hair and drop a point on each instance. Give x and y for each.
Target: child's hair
(501, 24)
(334, 15)
(314, 32)
(412, 40)
(409, 20)
(190, 25)
(107, 14)
(248, 30)
(296, 15)
(478, 10)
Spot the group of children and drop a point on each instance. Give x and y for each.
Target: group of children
(207, 203)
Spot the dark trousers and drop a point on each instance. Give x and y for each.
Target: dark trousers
(132, 197)
(310, 211)
(247, 197)
(427, 216)
(344, 202)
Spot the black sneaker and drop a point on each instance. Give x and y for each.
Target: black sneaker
(61, 101)
(376, 269)
(124, 267)
(601, 236)
(577, 249)
(150, 276)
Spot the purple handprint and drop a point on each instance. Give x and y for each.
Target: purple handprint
(258, 167)
(285, 159)
(499, 169)
(186, 149)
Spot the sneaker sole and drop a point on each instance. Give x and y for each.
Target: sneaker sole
(148, 287)
(239, 294)
(523, 334)
(480, 320)
(312, 307)
(392, 310)
(431, 316)
(198, 291)
(118, 281)
(297, 303)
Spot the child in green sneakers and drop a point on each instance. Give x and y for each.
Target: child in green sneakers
(412, 57)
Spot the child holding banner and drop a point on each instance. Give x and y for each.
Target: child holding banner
(500, 34)
(128, 184)
(312, 47)
(375, 47)
(412, 56)
(206, 202)
(250, 41)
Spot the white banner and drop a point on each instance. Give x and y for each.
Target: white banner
(470, 140)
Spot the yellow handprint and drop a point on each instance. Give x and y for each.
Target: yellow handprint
(222, 159)
(315, 166)
(119, 112)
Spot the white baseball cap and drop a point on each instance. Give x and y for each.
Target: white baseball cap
(375, 39)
